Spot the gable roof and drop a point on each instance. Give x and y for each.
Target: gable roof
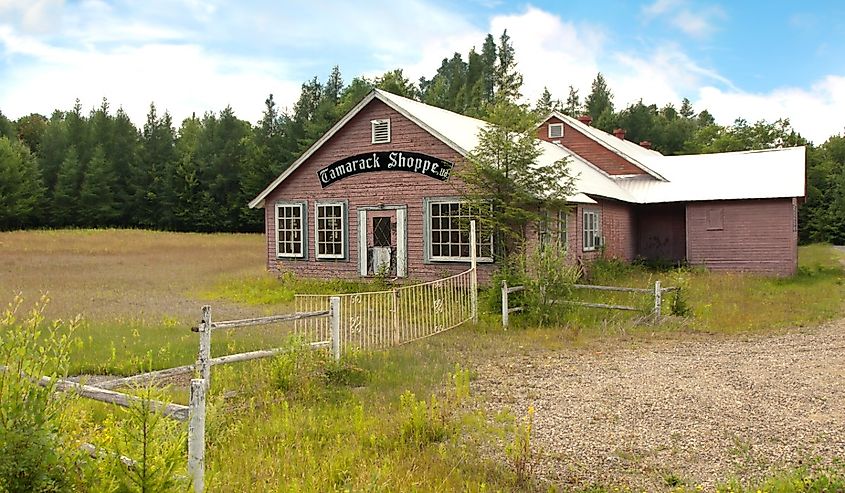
(772, 173)
(627, 150)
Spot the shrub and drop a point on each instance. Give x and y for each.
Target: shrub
(305, 373)
(34, 453)
(548, 277)
(422, 422)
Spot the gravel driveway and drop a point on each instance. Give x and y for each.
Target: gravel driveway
(698, 412)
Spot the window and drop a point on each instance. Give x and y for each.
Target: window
(552, 229)
(562, 232)
(381, 131)
(382, 236)
(555, 130)
(448, 232)
(592, 230)
(290, 229)
(715, 218)
(330, 230)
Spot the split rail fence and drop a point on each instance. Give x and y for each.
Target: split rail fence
(369, 320)
(656, 293)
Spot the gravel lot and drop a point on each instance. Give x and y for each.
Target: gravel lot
(647, 414)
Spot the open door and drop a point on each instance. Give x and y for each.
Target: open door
(382, 241)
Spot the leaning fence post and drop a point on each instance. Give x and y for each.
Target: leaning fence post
(334, 315)
(204, 357)
(473, 272)
(505, 312)
(658, 300)
(196, 435)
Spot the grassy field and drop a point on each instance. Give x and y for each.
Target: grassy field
(139, 292)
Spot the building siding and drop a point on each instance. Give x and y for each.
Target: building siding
(590, 150)
(754, 235)
(389, 188)
(617, 231)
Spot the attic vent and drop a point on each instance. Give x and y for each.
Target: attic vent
(555, 130)
(381, 131)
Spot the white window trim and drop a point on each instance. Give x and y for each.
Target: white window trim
(556, 125)
(596, 237)
(374, 124)
(302, 230)
(343, 231)
(429, 258)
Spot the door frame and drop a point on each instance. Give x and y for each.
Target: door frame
(401, 237)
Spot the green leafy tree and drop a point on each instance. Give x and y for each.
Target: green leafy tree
(21, 189)
(395, 82)
(7, 128)
(30, 128)
(505, 176)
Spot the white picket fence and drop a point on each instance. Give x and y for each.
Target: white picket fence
(383, 319)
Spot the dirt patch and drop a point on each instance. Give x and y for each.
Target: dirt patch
(693, 411)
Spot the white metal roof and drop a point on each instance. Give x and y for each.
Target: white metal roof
(737, 175)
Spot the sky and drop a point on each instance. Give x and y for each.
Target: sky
(751, 59)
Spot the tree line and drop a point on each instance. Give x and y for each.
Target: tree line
(97, 169)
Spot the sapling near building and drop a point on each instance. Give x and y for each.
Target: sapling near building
(381, 193)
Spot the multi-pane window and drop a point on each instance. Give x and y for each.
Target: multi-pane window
(449, 232)
(290, 230)
(592, 231)
(330, 234)
(552, 229)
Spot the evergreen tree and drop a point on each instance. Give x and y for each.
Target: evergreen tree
(545, 105)
(150, 194)
(52, 149)
(65, 202)
(573, 103)
(508, 82)
(333, 87)
(98, 206)
(600, 100)
(7, 128)
(503, 176)
(21, 189)
(686, 109)
(489, 55)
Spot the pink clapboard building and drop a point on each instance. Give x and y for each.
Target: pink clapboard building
(380, 193)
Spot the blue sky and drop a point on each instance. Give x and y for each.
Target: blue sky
(758, 60)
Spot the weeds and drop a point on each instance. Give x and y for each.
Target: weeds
(520, 452)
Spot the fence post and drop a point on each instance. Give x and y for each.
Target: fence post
(505, 312)
(474, 273)
(196, 435)
(658, 300)
(396, 334)
(334, 314)
(204, 357)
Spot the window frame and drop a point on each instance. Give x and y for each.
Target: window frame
(563, 230)
(555, 125)
(428, 243)
(374, 124)
(344, 231)
(303, 230)
(592, 245)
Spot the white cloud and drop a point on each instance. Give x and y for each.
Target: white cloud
(815, 112)
(696, 22)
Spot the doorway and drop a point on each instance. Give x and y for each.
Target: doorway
(382, 241)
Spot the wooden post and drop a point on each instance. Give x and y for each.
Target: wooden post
(474, 272)
(204, 357)
(505, 312)
(658, 300)
(196, 435)
(396, 333)
(334, 313)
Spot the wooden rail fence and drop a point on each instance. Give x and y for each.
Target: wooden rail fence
(656, 292)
